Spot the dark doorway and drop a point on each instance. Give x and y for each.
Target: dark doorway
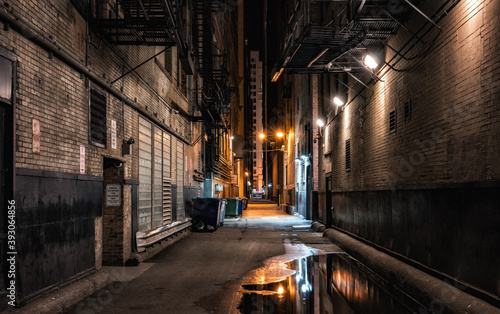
(7, 123)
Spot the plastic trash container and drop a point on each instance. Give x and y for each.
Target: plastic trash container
(207, 213)
(231, 207)
(240, 206)
(222, 211)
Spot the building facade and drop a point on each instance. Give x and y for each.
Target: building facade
(407, 156)
(259, 135)
(106, 130)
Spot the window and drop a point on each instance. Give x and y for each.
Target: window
(97, 116)
(392, 121)
(348, 155)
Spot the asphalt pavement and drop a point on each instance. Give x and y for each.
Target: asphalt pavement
(203, 272)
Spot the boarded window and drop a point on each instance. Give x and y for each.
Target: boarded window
(97, 118)
(155, 186)
(145, 174)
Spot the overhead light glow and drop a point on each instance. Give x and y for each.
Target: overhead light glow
(320, 123)
(337, 101)
(261, 135)
(280, 134)
(370, 62)
(281, 290)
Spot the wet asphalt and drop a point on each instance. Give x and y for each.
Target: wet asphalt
(204, 272)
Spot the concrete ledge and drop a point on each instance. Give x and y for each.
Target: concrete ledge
(65, 297)
(151, 251)
(435, 294)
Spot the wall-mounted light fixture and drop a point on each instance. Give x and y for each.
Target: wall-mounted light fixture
(262, 135)
(320, 122)
(127, 146)
(370, 62)
(338, 101)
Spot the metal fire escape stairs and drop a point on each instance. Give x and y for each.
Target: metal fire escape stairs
(357, 27)
(215, 94)
(143, 22)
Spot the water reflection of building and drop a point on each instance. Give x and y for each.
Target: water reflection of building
(329, 283)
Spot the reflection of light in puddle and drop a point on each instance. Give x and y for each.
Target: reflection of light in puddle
(275, 268)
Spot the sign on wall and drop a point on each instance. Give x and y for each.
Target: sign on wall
(82, 159)
(113, 134)
(113, 195)
(36, 136)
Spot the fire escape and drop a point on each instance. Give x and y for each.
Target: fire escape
(356, 28)
(143, 22)
(215, 94)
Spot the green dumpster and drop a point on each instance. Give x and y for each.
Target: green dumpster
(231, 207)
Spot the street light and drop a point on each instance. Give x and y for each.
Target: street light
(262, 135)
(280, 134)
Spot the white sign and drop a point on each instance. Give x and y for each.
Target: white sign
(82, 159)
(113, 195)
(36, 136)
(113, 134)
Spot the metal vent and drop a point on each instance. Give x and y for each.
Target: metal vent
(407, 108)
(392, 121)
(167, 201)
(97, 115)
(348, 155)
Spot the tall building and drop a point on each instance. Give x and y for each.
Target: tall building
(259, 135)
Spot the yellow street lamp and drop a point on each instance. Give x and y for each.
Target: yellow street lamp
(262, 135)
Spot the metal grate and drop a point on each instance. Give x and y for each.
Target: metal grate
(407, 108)
(167, 201)
(97, 130)
(348, 155)
(392, 121)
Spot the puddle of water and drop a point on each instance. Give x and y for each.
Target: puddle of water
(303, 282)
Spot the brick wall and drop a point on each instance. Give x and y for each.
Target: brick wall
(58, 96)
(424, 190)
(452, 134)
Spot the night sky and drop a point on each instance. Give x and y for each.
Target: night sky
(254, 29)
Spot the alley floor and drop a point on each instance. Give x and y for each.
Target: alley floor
(203, 272)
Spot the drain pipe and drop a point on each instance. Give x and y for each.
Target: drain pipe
(64, 55)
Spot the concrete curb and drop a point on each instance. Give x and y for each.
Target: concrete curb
(57, 301)
(435, 294)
